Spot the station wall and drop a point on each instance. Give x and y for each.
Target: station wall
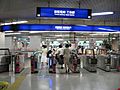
(9, 42)
(35, 42)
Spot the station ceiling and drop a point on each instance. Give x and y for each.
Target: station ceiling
(26, 9)
(11, 10)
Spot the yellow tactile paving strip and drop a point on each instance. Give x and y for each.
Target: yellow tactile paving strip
(18, 81)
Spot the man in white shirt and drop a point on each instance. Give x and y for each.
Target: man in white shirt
(60, 56)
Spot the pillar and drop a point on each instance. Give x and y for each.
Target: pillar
(2, 40)
(9, 42)
(72, 39)
(35, 42)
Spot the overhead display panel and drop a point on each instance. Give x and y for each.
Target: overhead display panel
(64, 12)
(61, 27)
(6, 27)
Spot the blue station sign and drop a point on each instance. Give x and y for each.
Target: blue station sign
(60, 27)
(64, 12)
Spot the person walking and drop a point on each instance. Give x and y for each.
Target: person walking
(60, 56)
(54, 61)
(50, 61)
(82, 49)
(44, 60)
(66, 54)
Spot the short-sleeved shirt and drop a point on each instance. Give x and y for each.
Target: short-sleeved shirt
(60, 51)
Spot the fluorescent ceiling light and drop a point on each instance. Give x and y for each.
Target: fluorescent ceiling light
(102, 13)
(59, 39)
(58, 35)
(113, 38)
(106, 32)
(115, 32)
(12, 33)
(99, 34)
(23, 31)
(62, 35)
(82, 36)
(38, 31)
(8, 31)
(17, 22)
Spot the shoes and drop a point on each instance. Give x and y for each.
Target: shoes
(68, 71)
(62, 68)
(76, 72)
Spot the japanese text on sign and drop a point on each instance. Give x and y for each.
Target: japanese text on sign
(64, 13)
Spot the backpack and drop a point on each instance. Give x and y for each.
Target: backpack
(49, 54)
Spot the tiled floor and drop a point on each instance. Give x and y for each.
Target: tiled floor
(83, 81)
(8, 77)
(11, 76)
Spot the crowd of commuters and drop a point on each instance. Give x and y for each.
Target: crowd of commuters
(64, 55)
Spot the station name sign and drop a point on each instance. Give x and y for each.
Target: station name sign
(63, 12)
(60, 27)
(63, 27)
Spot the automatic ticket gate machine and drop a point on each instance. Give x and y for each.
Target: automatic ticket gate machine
(103, 60)
(108, 61)
(114, 61)
(19, 62)
(35, 62)
(90, 61)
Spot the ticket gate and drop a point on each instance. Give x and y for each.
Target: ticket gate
(103, 62)
(35, 62)
(19, 62)
(109, 62)
(90, 61)
(90, 64)
(34, 68)
(114, 61)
